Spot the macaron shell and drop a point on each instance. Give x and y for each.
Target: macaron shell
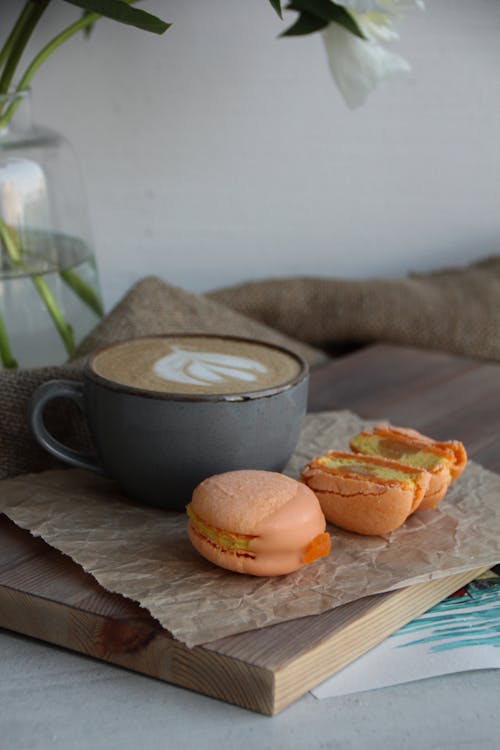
(440, 479)
(280, 547)
(291, 527)
(362, 507)
(384, 428)
(240, 501)
(460, 458)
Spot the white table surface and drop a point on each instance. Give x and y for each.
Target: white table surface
(53, 698)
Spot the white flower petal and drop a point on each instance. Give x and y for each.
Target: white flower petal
(360, 6)
(373, 6)
(358, 65)
(377, 27)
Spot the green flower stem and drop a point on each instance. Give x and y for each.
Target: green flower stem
(30, 16)
(6, 358)
(9, 243)
(64, 329)
(44, 53)
(82, 290)
(13, 34)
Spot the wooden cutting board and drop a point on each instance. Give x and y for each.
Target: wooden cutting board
(46, 595)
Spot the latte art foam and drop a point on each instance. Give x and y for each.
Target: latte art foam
(196, 364)
(206, 368)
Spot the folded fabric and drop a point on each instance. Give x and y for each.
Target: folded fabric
(153, 306)
(454, 310)
(19, 453)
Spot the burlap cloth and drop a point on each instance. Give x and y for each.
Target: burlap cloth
(457, 310)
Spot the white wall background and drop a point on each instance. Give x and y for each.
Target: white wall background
(219, 153)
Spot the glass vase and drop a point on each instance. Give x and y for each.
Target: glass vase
(49, 290)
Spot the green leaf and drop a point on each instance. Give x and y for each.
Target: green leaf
(123, 13)
(277, 7)
(23, 29)
(329, 12)
(305, 24)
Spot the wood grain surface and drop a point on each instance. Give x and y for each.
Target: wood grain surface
(46, 595)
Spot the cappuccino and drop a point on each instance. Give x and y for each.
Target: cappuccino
(196, 364)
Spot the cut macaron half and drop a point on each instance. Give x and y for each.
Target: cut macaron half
(445, 461)
(366, 494)
(257, 522)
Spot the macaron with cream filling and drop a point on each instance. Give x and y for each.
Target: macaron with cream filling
(257, 522)
(365, 494)
(444, 461)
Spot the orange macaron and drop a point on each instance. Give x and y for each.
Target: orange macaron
(365, 494)
(444, 461)
(257, 522)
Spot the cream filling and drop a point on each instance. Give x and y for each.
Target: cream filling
(418, 458)
(355, 465)
(224, 539)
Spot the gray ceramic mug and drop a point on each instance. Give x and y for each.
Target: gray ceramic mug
(157, 444)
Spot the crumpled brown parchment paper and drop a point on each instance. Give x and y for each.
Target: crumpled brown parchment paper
(144, 554)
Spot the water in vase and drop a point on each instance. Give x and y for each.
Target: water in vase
(49, 301)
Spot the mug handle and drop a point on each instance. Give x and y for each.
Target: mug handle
(45, 393)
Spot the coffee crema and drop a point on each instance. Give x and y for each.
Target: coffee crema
(196, 364)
